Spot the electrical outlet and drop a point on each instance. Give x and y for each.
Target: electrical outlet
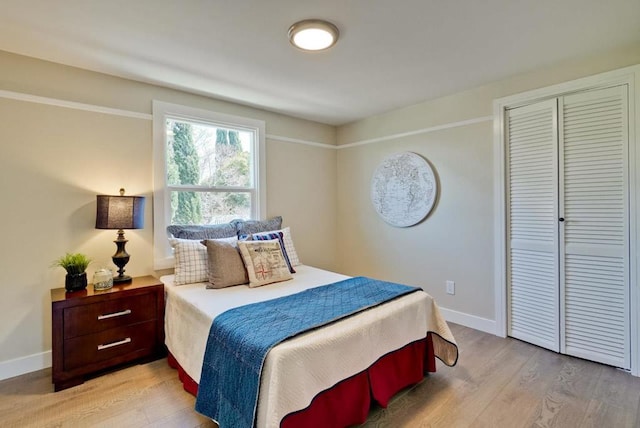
(451, 287)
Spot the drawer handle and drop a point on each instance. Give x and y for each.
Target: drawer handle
(111, 345)
(115, 314)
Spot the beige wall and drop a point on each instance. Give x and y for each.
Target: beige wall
(457, 241)
(452, 244)
(302, 188)
(54, 160)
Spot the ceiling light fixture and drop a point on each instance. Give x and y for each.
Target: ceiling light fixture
(313, 34)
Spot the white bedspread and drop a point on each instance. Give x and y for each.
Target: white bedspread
(298, 369)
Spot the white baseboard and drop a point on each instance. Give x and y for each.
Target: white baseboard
(471, 321)
(22, 365)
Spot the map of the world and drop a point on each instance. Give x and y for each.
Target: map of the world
(403, 189)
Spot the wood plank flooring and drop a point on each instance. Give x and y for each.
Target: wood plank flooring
(497, 383)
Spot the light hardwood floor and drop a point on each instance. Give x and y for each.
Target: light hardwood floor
(497, 383)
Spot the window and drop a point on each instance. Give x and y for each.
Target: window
(208, 169)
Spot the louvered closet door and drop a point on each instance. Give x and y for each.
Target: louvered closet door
(533, 224)
(594, 277)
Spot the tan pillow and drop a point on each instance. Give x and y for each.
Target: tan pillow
(264, 262)
(225, 264)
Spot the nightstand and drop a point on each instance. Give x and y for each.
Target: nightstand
(98, 330)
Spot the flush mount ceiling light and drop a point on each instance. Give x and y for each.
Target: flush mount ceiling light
(313, 34)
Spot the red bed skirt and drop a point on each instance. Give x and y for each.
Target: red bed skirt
(348, 402)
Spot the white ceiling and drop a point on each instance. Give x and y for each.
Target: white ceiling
(390, 54)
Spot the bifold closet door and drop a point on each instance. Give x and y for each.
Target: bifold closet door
(533, 261)
(594, 236)
(568, 224)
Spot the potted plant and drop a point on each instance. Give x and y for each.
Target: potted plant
(75, 264)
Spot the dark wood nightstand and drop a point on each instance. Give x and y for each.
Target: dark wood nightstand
(97, 330)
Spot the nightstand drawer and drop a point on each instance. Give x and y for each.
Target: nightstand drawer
(87, 319)
(117, 342)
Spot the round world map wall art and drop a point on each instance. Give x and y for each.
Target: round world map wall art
(403, 189)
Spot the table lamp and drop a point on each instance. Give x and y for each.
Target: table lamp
(119, 213)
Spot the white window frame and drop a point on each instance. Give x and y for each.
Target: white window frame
(163, 256)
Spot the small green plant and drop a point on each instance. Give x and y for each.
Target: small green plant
(73, 263)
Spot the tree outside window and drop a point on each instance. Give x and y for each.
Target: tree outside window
(208, 172)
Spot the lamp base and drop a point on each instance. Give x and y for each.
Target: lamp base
(121, 279)
(120, 259)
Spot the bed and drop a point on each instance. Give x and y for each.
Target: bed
(324, 377)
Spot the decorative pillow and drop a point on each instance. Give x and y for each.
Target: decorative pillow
(278, 236)
(288, 244)
(225, 264)
(248, 227)
(264, 262)
(191, 263)
(200, 232)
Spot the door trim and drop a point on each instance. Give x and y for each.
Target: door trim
(629, 76)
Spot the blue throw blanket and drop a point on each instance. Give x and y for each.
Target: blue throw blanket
(240, 339)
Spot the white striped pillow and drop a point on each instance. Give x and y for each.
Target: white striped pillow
(288, 244)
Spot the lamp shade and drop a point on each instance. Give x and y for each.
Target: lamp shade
(120, 212)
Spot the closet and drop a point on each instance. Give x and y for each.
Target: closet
(567, 209)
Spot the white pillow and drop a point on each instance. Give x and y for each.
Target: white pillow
(288, 244)
(264, 262)
(191, 263)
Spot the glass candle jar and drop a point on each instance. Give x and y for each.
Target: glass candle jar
(103, 279)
